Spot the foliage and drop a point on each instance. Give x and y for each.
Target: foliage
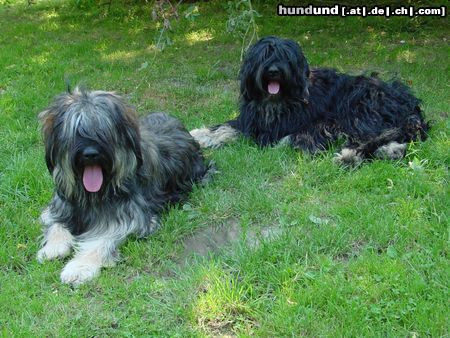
(242, 22)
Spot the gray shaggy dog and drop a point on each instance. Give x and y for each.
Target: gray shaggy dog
(113, 173)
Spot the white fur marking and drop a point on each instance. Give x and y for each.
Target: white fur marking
(91, 256)
(208, 138)
(96, 250)
(58, 241)
(391, 151)
(82, 268)
(46, 217)
(348, 157)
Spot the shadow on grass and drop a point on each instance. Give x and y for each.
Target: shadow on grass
(216, 239)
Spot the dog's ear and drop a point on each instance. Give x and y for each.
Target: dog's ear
(303, 84)
(302, 68)
(132, 133)
(305, 94)
(49, 158)
(246, 78)
(47, 121)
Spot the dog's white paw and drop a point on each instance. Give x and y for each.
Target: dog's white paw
(202, 136)
(53, 251)
(58, 243)
(80, 270)
(208, 138)
(348, 158)
(391, 151)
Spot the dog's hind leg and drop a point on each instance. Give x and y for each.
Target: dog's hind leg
(214, 137)
(395, 141)
(354, 156)
(313, 140)
(387, 145)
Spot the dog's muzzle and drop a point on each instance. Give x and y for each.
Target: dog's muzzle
(273, 83)
(92, 171)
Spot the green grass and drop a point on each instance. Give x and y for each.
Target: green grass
(354, 253)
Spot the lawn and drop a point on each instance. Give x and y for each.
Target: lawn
(279, 243)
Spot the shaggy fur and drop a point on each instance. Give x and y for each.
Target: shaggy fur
(281, 99)
(114, 175)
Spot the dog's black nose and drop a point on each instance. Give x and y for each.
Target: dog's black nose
(90, 153)
(273, 71)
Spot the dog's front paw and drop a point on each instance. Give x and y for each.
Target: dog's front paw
(203, 136)
(216, 137)
(79, 271)
(57, 244)
(348, 158)
(53, 251)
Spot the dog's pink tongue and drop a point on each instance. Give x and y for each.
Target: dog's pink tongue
(274, 87)
(92, 178)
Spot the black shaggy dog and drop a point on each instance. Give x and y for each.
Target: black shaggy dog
(114, 174)
(281, 99)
